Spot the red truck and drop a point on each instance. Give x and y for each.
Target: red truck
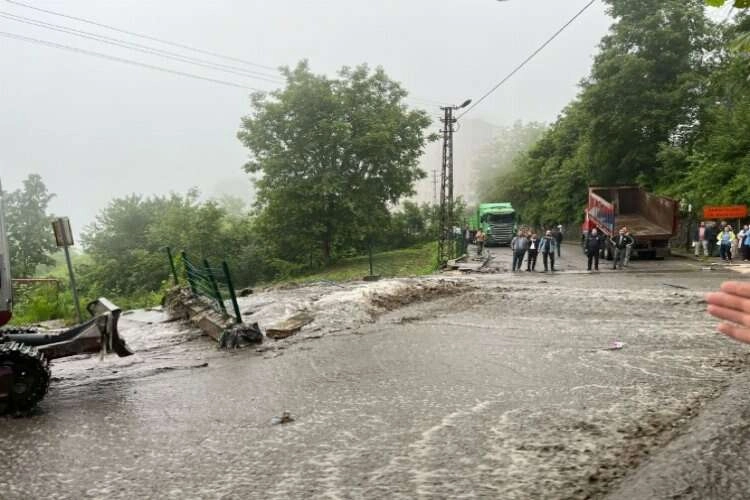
(651, 219)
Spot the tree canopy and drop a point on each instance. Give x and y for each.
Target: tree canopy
(331, 154)
(664, 106)
(30, 237)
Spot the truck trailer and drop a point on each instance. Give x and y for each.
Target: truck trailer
(651, 219)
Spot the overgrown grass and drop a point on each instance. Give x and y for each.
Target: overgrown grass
(415, 261)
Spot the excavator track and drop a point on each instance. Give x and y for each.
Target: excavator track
(31, 377)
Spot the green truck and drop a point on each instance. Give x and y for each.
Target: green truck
(497, 221)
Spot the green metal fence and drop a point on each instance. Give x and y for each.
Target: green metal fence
(214, 283)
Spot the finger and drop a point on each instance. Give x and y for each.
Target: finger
(729, 301)
(729, 315)
(736, 332)
(741, 288)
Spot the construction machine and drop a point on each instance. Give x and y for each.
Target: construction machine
(25, 352)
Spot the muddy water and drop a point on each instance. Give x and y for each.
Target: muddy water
(507, 390)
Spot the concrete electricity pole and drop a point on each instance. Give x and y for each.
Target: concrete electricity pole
(447, 220)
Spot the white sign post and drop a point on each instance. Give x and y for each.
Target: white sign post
(64, 239)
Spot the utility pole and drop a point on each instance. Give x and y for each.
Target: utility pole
(447, 221)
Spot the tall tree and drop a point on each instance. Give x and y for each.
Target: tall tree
(332, 154)
(30, 235)
(645, 89)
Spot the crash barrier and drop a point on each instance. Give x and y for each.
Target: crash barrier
(214, 283)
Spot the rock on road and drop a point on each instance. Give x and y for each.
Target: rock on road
(510, 390)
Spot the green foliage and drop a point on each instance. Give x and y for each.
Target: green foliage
(415, 261)
(332, 154)
(738, 4)
(646, 90)
(30, 237)
(127, 243)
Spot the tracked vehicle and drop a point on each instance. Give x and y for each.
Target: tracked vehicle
(25, 352)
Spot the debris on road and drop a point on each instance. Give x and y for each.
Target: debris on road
(285, 418)
(240, 335)
(181, 304)
(675, 286)
(289, 326)
(616, 345)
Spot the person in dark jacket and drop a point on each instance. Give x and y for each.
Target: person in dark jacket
(532, 252)
(558, 234)
(547, 246)
(711, 234)
(619, 245)
(593, 247)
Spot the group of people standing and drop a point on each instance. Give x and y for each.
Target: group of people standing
(707, 237)
(528, 244)
(621, 245)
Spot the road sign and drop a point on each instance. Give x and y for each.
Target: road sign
(63, 234)
(64, 239)
(725, 212)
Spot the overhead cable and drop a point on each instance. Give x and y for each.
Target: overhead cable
(124, 60)
(142, 48)
(529, 58)
(140, 35)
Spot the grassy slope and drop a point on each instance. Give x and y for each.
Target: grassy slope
(413, 261)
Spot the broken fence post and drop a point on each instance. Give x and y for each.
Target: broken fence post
(188, 272)
(232, 295)
(215, 286)
(171, 266)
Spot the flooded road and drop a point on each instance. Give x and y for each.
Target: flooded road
(525, 385)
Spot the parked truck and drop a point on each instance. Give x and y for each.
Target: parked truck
(498, 221)
(651, 219)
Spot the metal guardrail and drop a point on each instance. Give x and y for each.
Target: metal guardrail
(214, 283)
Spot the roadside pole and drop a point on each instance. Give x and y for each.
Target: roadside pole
(64, 239)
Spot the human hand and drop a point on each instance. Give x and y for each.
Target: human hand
(732, 304)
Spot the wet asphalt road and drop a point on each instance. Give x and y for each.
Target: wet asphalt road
(509, 390)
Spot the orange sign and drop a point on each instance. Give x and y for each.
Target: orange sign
(725, 212)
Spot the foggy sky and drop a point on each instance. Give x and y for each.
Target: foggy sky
(97, 129)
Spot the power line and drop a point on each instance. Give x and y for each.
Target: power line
(140, 35)
(525, 61)
(141, 48)
(123, 60)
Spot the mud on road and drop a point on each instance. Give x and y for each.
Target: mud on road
(508, 389)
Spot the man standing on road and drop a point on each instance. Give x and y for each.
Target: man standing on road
(619, 245)
(533, 252)
(467, 238)
(700, 240)
(479, 238)
(548, 249)
(519, 244)
(592, 247)
(558, 233)
(726, 239)
(629, 248)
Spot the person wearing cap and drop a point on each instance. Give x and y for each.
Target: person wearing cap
(620, 244)
(548, 248)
